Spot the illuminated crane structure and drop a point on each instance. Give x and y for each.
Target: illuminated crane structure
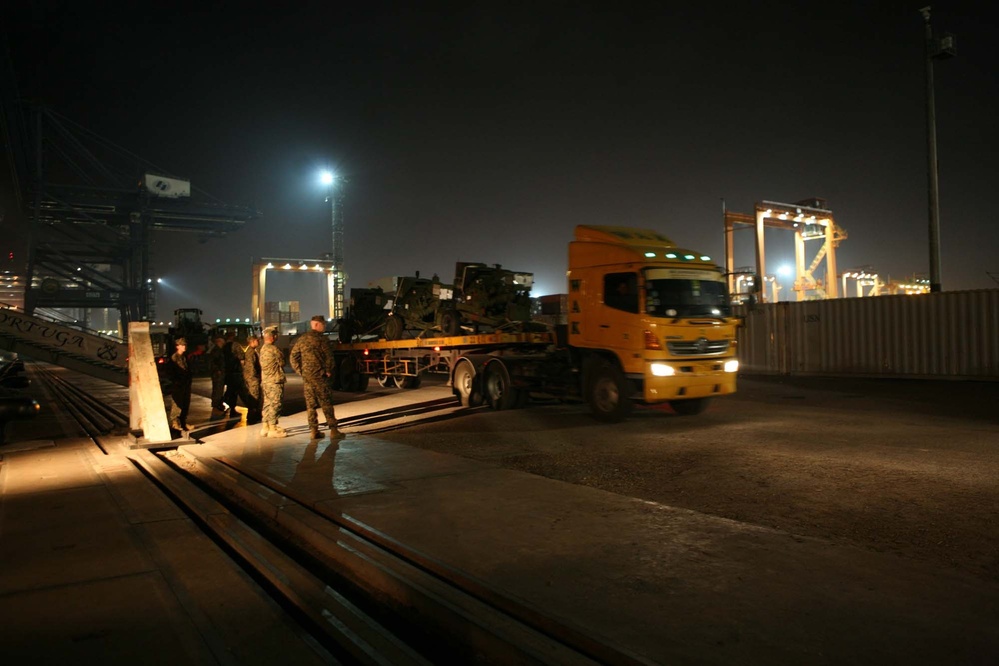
(260, 267)
(810, 220)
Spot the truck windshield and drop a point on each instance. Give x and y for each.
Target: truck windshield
(685, 295)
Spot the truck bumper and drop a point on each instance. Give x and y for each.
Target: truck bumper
(692, 379)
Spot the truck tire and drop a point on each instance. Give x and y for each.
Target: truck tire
(348, 374)
(607, 393)
(689, 407)
(385, 381)
(498, 387)
(464, 383)
(394, 328)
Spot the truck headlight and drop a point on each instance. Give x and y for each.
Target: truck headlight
(732, 366)
(662, 370)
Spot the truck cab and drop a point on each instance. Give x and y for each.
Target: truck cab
(652, 322)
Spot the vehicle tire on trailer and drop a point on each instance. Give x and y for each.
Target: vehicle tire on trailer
(450, 323)
(607, 392)
(394, 328)
(498, 387)
(385, 381)
(345, 331)
(689, 407)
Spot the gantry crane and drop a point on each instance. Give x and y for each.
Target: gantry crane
(809, 220)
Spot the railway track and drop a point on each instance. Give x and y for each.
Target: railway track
(361, 595)
(95, 416)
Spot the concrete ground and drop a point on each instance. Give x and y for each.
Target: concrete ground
(96, 564)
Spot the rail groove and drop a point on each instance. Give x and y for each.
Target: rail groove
(441, 613)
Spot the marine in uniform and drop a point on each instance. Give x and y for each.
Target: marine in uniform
(180, 386)
(271, 384)
(216, 365)
(312, 358)
(251, 378)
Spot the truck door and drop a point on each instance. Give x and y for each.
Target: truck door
(619, 323)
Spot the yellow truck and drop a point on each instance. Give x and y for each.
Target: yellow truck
(643, 321)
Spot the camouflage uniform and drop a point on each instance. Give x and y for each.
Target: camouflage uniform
(251, 379)
(312, 358)
(180, 390)
(271, 381)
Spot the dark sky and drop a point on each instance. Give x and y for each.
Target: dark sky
(486, 131)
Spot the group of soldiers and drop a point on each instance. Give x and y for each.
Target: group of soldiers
(255, 375)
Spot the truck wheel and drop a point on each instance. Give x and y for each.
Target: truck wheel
(384, 381)
(499, 391)
(450, 323)
(348, 374)
(393, 328)
(464, 383)
(607, 393)
(689, 407)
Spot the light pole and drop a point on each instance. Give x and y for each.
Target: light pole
(935, 50)
(337, 276)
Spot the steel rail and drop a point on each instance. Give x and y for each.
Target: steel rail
(422, 599)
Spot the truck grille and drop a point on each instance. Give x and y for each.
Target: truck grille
(699, 347)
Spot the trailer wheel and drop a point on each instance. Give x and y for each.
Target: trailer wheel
(464, 381)
(384, 381)
(407, 382)
(607, 393)
(499, 390)
(689, 407)
(450, 323)
(393, 328)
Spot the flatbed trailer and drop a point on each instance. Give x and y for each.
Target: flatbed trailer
(403, 362)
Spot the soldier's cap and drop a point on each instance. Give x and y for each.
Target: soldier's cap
(180, 341)
(319, 318)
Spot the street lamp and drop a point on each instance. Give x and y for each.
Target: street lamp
(935, 50)
(337, 277)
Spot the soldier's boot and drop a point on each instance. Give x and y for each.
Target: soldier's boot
(265, 430)
(186, 427)
(175, 424)
(277, 431)
(315, 434)
(335, 434)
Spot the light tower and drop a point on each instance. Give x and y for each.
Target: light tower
(337, 277)
(936, 49)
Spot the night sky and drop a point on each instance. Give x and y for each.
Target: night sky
(486, 131)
